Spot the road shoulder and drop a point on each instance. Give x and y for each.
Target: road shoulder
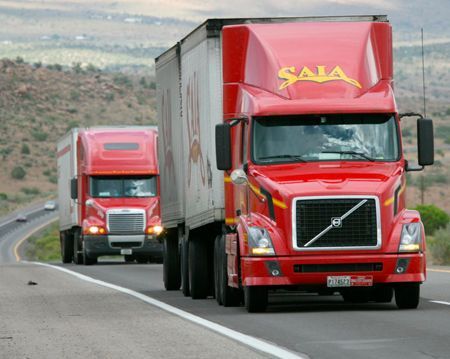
(63, 317)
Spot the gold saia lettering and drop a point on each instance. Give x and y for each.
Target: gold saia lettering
(291, 76)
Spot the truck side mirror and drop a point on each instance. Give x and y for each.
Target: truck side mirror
(74, 188)
(223, 146)
(425, 142)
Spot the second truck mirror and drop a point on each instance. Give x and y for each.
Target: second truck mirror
(223, 146)
(74, 188)
(425, 142)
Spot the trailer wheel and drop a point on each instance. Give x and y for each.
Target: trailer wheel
(198, 269)
(171, 264)
(217, 262)
(77, 253)
(256, 298)
(383, 294)
(66, 241)
(184, 268)
(407, 296)
(231, 297)
(88, 260)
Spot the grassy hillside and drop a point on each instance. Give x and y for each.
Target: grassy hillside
(39, 104)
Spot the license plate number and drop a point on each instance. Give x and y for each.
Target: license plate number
(349, 281)
(126, 251)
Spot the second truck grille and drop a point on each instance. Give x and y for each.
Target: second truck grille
(126, 222)
(359, 229)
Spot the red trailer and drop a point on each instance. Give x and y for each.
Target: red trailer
(108, 189)
(307, 134)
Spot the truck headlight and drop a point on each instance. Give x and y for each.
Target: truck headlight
(94, 230)
(260, 242)
(155, 229)
(411, 238)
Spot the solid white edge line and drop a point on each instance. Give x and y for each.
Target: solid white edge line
(439, 302)
(255, 343)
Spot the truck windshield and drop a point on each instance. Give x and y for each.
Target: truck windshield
(115, 186)
(360, 137)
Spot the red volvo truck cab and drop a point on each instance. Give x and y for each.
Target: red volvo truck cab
(108, 189)
(282, 163)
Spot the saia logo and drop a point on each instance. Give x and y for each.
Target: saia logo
(336, 74)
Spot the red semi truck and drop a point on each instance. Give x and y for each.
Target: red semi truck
(108, 190)
(282, 163)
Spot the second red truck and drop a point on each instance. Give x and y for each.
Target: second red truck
(108, 191)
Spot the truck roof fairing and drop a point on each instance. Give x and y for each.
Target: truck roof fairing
(119, 151)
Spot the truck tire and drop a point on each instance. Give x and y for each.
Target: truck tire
(171, 264)
(184, 267)
(231, 297)
(383, 294)
(198, 268)
(66, 241)
(88, 260)
(256, 298)
(77, 253)
(217, 262)
(407, 296)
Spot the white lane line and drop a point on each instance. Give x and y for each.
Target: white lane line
(439, 302)
(255, 343)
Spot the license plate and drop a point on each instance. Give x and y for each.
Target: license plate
(349, 281)
(126, 251)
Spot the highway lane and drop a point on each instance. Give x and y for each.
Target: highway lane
(321, 327)
(60, 316)
(11, 231)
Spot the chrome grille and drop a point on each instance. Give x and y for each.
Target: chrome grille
(313, 229)
(126, 221)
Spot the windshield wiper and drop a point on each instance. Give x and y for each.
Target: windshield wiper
(354, 153)
(291, 157)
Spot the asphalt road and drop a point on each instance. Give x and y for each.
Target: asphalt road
(321, 327)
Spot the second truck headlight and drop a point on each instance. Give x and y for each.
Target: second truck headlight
(410, 240)
(260, 242)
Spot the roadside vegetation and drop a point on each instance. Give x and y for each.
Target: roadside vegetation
(44, 246)
(437, 228)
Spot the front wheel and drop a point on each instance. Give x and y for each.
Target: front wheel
(407, 296)
(256, 298)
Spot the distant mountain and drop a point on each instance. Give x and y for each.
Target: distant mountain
(123, 33)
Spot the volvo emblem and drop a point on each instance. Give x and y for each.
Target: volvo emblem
(336, 222)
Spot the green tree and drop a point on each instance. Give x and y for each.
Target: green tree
(433, 217)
